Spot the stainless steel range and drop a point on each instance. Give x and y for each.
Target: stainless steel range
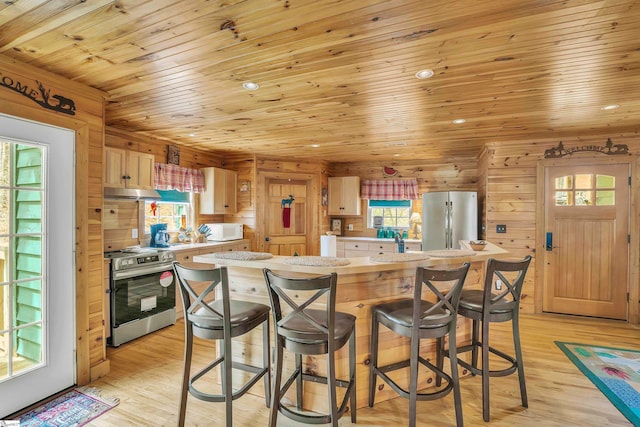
(142, 293)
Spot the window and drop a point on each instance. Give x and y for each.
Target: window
(580, 190)
(170, 209)
(394, 213)
(22, 231)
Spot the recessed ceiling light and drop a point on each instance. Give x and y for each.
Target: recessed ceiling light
(610, 107)
(424, 74)
(192, 134)
(250, 86)
(396, 155)
(459, 121)
(315, 145)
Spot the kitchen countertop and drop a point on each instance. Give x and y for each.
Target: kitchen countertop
(375, 239)
(356, 264)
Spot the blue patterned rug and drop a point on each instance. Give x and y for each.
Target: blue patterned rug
(73, 409)
(615, 371)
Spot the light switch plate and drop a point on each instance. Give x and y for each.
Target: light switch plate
(501, 228)
(134, 233)
(350, 227)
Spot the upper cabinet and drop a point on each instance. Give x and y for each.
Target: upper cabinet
(219, 196)
(128, 169)
(344, 195)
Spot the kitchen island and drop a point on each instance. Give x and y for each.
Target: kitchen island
(362, 283)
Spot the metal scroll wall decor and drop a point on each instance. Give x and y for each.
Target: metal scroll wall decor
(42, 96)
(609, 149)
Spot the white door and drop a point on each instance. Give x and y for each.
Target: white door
(37, 253)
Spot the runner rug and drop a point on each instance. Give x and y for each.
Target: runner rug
(615, 371)
(72, 409)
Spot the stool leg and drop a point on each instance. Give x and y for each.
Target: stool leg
(275, 391)
(331, 385)
(374, 359)
(228, 379)
(453, 358)
(474, 344)
(299, 380)
(188, 351)
(515, 324)
(485, 370)
(266, 360)
(352, 374)
(440, 358)
(413, 380)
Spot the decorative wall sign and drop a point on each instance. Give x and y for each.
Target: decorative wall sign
(42, 96)
(609, 149)
(173, 155)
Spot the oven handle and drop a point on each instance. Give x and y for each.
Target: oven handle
(141, 271)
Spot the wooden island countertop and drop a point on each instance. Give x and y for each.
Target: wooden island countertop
(362, 283)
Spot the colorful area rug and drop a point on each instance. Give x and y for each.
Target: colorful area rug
(615, 371)
(72, 409)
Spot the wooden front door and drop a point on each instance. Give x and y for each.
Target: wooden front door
(286, 232)
(586, 232)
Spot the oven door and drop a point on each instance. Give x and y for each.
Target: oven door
(140, 293)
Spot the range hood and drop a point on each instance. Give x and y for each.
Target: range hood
(130, 193)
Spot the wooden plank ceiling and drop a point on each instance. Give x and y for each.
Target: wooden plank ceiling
(341, 74)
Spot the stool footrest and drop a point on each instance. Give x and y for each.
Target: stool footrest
(258, 374)
(313, 419)
(382, 370)
(492, 373)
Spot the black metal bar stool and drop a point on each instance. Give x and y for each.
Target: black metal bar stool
(223, 320)
(435, 320)
(486, 306)
(308, 331)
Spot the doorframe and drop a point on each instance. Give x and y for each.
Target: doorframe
(633, 305)
(313, 201)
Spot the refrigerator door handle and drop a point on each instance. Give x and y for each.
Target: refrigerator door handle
(450, 226)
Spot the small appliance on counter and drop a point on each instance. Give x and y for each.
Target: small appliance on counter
(159, 236)
(223, 231)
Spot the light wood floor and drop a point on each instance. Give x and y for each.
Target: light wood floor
(145, 375)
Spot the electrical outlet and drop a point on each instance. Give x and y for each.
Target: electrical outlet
(498, 285)
(501, 228)
(350, 227)
(134, 233)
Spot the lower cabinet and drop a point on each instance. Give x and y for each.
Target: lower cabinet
(357, 248)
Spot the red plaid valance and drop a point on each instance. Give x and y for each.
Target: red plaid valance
(390, 189)
(174, 177)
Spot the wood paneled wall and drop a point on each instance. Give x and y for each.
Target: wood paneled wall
(460, 174)
(249, 168)
(508, 172)
(88, 123)
(120, 215)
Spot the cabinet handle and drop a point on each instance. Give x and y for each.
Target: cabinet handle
(124, 176)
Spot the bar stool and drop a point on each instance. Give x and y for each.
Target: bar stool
(308, 331)
(435, 320)
(220, 320)
(485, 306)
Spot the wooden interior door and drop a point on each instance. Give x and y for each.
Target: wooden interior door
(280, 240)
(586, 245)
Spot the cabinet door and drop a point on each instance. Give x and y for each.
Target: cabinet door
(114, 167)
(230, 191)
(140, 170)
(344, 195)
(351, 195)
(219, 196)
(335, 196)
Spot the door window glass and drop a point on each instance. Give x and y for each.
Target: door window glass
(583, 194)
(21, 257)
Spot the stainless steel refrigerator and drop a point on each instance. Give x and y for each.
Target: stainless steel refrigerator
(447, 218)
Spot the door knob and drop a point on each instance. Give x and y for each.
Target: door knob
(266, 239)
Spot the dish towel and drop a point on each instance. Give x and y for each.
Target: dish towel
(286, 217)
